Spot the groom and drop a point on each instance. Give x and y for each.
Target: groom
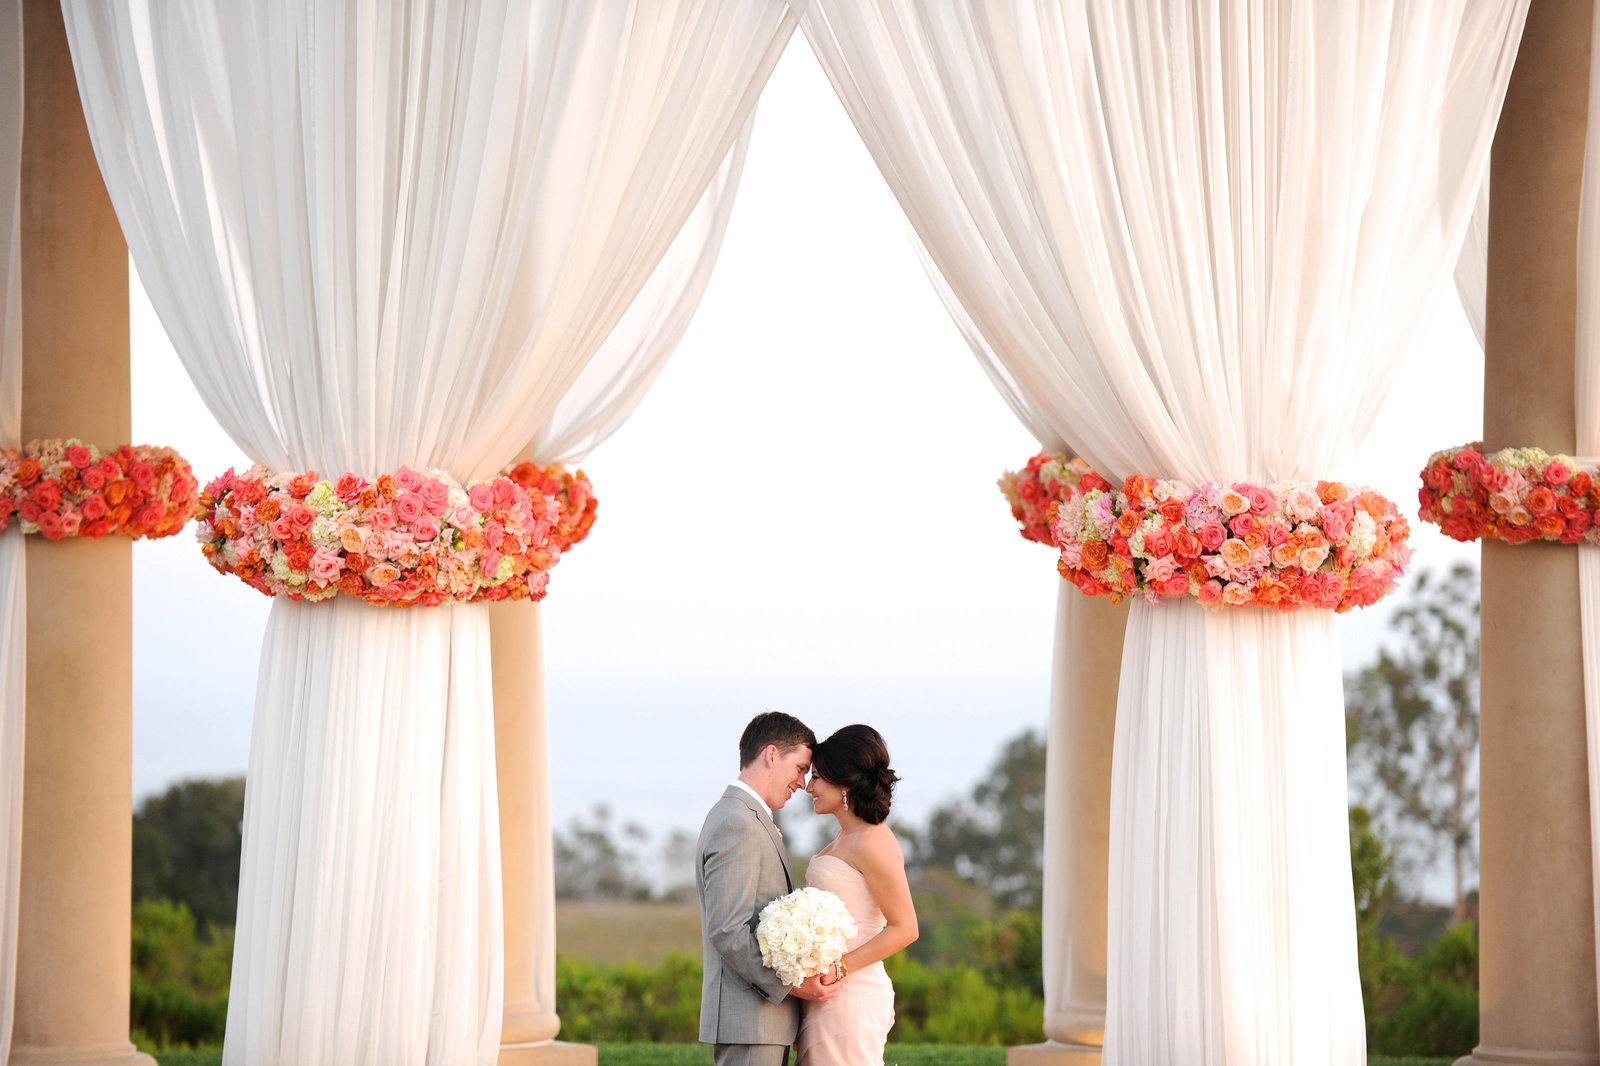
(745, 1009)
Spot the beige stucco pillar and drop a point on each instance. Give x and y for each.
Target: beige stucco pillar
(72, 950)
(1537, 963)
(1083, 712)
(522, 767)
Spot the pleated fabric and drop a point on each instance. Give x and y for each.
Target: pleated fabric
(384, 233)
(13, 573)
(1196, 241)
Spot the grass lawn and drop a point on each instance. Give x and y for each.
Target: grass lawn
(616, 932)
(700, 1055)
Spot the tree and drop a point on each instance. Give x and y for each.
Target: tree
(997, 838)
(186, 844)
(1412, 728)
(591, 864)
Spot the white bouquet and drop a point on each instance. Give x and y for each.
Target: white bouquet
(804, 933)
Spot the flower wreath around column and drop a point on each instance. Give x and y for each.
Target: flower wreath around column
(1516, 495)
(411, 538)
(1291, 545)
(63, 487)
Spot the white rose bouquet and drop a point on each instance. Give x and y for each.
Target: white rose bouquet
(803, 933)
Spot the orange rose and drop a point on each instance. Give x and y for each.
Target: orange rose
(299, 559)
(1285, 555)
(267, 510)
(369, 498)
(1127, 522)
(1187, 542)
(1235, 552)
(1172, 510)
(1254, 539)
(350, 538)
(68, 479)
(386, 488)
(1332, 491)
(1095, 554)
(1550, 525)
(116, 492)
(28, 471)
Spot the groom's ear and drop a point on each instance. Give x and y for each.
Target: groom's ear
(769, 755)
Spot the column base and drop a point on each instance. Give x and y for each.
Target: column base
(1484, 1056)
(1051, 1053)
(104, 1055)
(548, 1053)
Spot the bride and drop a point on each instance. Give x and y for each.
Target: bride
(863, 866)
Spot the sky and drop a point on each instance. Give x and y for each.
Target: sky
(802, 516)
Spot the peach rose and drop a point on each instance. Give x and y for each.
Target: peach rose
(1233, 502)
(1236, 553)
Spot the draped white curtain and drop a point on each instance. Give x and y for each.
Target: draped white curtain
(1472, 266)
(1198, 239)
(616, 380)
(384, 233)
(13, 588)
(1586, 400)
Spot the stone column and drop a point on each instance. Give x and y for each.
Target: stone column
(1537, 962)
(77, 818)
(1083, 713)
(522, 767)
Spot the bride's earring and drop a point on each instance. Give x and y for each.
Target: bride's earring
(845, 798)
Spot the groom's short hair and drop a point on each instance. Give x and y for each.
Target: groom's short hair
(773, 727)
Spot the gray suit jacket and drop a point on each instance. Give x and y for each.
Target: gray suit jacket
(742, 866)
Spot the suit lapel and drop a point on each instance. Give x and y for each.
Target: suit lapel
(764, 816)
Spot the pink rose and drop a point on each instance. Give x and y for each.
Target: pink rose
(436, 494)
(382, 518)
(489, 564)
(302, 515)
(1157, 542)
(50, 525)
(1211, 593)
(29, 511)
(1161, 569)
(1261, 500)
(464, 517)
(71, 521)
(283, 527)
(506, 492)
(397, 543)
(392, 591)
(143, 474)
(47, 496)
(407, 479)
(1336, 519)
(1557, 473)
(1242, 525)
(1176, 585)
(110, 469)
(79, 456)
(94, 506)
(1235, 594)
(410, 507)
(482, 497)
(94, 479)
(1275, 532)
(432, 599)
(349, 487)
(425, 529)
(325, 564)
(151, 515)
(1212, 534)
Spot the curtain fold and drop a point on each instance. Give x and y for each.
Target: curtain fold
(384, 234)
(1472, 265)
(1198, 240)
(13, 574)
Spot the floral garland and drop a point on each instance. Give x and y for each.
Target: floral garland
(1048, 478)
(406, 539)
(573, 493)
(1296, 544)
(65, 488)
(1515, 495)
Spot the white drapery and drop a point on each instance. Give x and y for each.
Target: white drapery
(13, 575)
(1586, 400)
(1472, 265)
(1198, 240)
(385, 233)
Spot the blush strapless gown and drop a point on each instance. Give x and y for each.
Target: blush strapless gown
(851, 1028)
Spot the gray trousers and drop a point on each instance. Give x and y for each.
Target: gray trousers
(750, 1054)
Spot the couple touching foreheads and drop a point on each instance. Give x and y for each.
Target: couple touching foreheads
(746, 1009)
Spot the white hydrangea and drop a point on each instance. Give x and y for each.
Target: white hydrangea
(804, 933)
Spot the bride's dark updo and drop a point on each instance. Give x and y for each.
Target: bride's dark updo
(856, 759)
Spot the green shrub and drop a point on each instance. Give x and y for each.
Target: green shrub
(178, 989)
(1428, 1006)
